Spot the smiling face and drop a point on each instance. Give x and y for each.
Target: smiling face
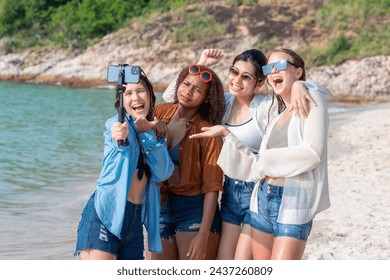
(242, 79)
(192, 92)
(282, 81)
(136, 100)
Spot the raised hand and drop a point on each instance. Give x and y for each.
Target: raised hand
(144, 125)
(210, 57)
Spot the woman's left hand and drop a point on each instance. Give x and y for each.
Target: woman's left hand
(300, 99)
(144, 125)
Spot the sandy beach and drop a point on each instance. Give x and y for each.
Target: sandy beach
(357, 225)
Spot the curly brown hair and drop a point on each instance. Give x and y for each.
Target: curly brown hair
(214, 109)
(148, 85)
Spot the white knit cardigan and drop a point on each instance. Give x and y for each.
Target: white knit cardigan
(303, 163)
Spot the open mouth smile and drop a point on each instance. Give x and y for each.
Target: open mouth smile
(138, 107)
(277, 80)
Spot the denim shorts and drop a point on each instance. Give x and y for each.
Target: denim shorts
(269, 198)
(92, 234)
(235, 201)
(184, 213)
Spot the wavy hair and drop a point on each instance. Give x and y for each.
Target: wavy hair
(214, 108)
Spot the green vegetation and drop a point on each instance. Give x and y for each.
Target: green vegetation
(70, 23)
(361, 30)
(356, 28)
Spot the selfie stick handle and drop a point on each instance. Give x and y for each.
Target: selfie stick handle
(121, 109)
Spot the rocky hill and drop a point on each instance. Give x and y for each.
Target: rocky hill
(152, 46)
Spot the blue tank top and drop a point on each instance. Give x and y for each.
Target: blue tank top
(174, 154)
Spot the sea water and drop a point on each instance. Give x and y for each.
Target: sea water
(51, 148)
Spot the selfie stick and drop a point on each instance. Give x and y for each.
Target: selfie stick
(121, 109)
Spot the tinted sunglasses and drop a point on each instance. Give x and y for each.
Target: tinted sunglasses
(244, 76)
(279, 65)
(205, 76)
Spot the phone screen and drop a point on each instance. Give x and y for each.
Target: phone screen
(131, 74)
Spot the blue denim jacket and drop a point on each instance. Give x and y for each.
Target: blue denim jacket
(113, 185)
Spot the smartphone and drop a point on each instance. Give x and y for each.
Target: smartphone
(131, 73)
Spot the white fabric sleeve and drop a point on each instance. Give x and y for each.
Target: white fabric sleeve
(313, 86)
(238, 162)
(169, 93)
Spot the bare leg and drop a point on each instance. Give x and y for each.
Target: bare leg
(148, 255)
(288, 248)
(229, 239)
(184, 238)
(170, 251)
(244, 244)
(262, 244)
(96, 255)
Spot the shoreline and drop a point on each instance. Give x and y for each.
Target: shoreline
(77, 83)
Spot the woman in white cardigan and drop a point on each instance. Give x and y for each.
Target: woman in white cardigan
(290, 168)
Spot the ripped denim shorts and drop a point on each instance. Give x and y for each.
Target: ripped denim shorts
(92, 234)
(184, 213)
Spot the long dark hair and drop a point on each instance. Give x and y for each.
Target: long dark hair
(257, 59)
(145, 81)
(214, 108)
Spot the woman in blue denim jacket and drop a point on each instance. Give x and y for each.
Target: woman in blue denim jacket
(126, 195)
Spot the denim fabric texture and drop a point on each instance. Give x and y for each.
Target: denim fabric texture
(265, 220)
(92, 234)
(184, 213)
(235, 201)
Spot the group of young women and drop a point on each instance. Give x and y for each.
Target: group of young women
(270, 165)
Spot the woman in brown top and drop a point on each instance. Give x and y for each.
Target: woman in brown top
(190, 220)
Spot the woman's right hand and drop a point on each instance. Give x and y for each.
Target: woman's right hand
(119, 131)
(213, 131)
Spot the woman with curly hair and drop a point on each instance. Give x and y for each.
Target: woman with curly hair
(190, 223)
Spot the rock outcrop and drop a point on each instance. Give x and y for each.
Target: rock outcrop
(152, 47)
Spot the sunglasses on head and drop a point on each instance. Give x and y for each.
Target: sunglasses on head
(205, 76)
(279, 65)
(244, 76)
